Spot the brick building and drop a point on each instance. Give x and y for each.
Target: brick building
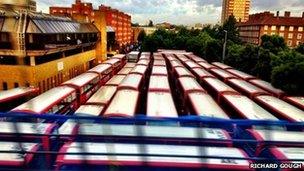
(115, 19)
(238, 8)
(288, 27)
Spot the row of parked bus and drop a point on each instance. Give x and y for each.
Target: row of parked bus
(239, 94)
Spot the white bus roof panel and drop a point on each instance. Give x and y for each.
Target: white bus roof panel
(189, 83)
(192, 64)
(200, 72)
(123, 104)
(14, 155)
(45, 101)
(175, 63)
(160, 104)
(159, 62)
(244, 85)
(180, 154)
(206, 65)
(248, 108)
(159, 70)
(130, 65)
(266, 85)
(240, 74)
(132, 81)
(219, 85)
(222, 73)
(124, 71)
(114, 62)
(278, 135)
(116, 80)
(159, 83)
(221, 65)
(282, 107)
(182, 72)
(204, 105)
(139, 69)
(143, 62)
(16, 92)
(89, 110)
(103, 95)
(102, 69)
(26, 128)
(296, 100)
(81, 80)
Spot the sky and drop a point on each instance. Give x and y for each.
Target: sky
(186, 12)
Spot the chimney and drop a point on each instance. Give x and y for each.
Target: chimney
(278, 14)
(287, 14)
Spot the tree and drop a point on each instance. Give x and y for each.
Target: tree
(141, 36)
(263, 67)
(231, 28)
(213, 51)
(150, 23)
(273, 43)
(300, 48)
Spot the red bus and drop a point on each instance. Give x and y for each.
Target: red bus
(222, 74)
(296, 101)
(124, 104)
(144, 62)
(192, 65)
(241, 74)
(116, 64)
(160, 104)
(133, 56)
(289, 155)
(159, 63)
(90, 110)
(59, 100)
(28, 132)
(103, 96)
(85, 84)
(182, 58)
(145, 55)
(182, 72)
(124, 71)
(105, 72)
(130, 65)
(202, 104)
(159, 83)
(16, 158)
(201, 73)
(207, 66)
(133, 82)
(152, 134)
(15, 97)
(122, 58)
(242, 106)
(140, 69)
(115, 80)
(158, 57)
(156, 157)
(217, 88)
(281, 108)
(185, 86)
(221, 65)
(195, 58)
(276, 137)
(267, 87)
(159, 70)
(170, 57)
(172, 64)
(246, 88)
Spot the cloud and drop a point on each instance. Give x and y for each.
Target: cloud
(180, 11)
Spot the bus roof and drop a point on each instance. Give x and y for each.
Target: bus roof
(45, 101)
(103, 95)
(81, 80)
(89, 110)
(160, 104)
(15, 93)
(218, 85)
(221, 65)
(159, 70)
(159, 83)
(240, 74)
(131, 81)
(116, 80)
(102, 69)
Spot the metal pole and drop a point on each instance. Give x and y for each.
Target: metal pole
(224, 46)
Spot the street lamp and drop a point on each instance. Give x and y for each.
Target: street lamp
(224, 46)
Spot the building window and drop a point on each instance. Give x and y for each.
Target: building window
(299, 36)
(16, 85)
(4, 85)
(265, 27)
(291, 28)
(282, 34)
(282, 28)
(289, 42)
(300, 29)
(273, 27)
(265, 33)
(298, 43)
(273, 33)
(290, 35)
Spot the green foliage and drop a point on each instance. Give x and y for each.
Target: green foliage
(213, 51)
(231, 28)
(273, 43)
(300, 48)
(141, 36)
(263, 67)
